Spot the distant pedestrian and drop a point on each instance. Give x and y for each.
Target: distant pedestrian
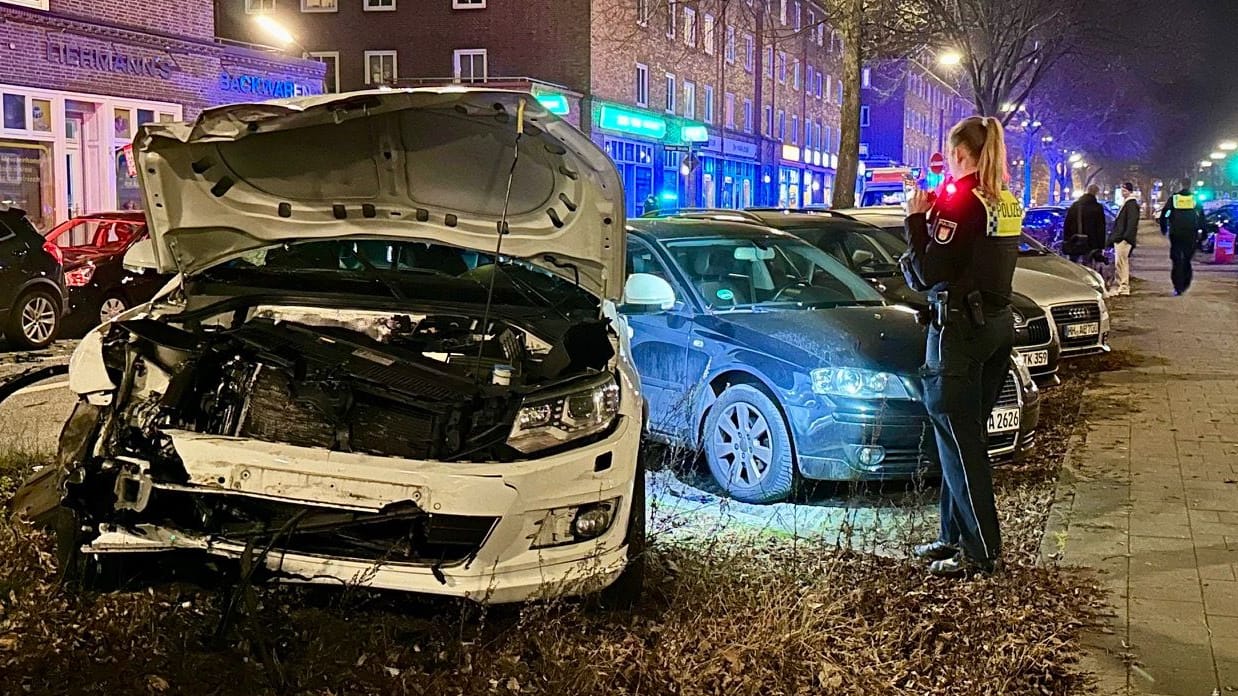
(1084, 236)
(1122, 239)
(651, 204)
(1182, 220)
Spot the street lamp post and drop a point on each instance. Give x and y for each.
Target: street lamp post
(279, 33)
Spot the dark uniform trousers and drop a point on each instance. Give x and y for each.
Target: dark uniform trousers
(960, 358)
(1181, 253)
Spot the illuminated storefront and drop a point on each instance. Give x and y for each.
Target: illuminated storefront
(74, 99)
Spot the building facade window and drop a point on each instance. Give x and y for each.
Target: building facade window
(469, 65)
(380, 67)
(730, 44)
(251, 6)
(782, 67)
(467, 4)
(331, 71)
(671, 13)
(642, 12)
(866, 78)
(711, 37)
(750, 52)
(782, 125)
(795, 129)
(689, 99)
(689, 27)
(730, 110)
(319, 6)
(795, 74)
(769, 121)
(642, 85)
(670, 93)
(864, 116)
(748, 125)
(389, 6)
(709, 104)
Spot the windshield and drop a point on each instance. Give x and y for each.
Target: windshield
(403, 269)
(855, 244)
(1028, 246)
(887, 197)
(768, 273)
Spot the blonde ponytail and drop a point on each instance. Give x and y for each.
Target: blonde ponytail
(985, 139)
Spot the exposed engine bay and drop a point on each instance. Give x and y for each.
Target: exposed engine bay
(431, 387)
(416, 386)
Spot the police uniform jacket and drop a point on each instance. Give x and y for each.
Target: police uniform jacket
(1182, 216)
(965, 243)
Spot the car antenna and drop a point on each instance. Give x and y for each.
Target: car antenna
(502, 229)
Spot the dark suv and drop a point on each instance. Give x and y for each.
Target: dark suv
(32, 291)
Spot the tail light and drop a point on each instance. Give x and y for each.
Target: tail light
(51, 248)
(78, 277)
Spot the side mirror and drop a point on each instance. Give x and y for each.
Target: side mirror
(141, 257)
(861, 258)
(647, 294)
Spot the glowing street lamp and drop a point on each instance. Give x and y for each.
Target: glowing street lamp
(1228, 145)
(950, 59)
(1076, 158)
(278, 32)
(1047, 139)
(1217, 155)
(1205, 164)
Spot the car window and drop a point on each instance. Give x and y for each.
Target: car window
(761, 273)
(1042, 220)
(641, 258)
(81, 234)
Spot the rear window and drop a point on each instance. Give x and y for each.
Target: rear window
(15, 223)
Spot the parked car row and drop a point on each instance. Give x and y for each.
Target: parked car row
(438, 386)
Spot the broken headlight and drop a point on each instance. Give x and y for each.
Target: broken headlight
(555, 417)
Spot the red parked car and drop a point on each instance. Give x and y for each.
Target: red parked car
(94, 249)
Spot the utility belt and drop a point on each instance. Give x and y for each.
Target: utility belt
(971, 305)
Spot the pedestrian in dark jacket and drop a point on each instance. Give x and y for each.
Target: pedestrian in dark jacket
(1122, 238)
(1085, 228)
(1182, 219)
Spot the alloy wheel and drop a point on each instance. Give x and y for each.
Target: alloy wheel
(742, 440)
(110, 309)
(38, 319)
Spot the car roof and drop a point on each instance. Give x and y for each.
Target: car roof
(669, 229)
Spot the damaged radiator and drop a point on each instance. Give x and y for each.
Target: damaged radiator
(316, 388)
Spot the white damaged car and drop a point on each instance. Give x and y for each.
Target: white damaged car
(352, 379)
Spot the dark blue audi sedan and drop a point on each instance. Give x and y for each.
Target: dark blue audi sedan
(779, 362)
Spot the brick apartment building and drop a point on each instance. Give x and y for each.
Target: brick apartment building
(907, 113)
(80, 77)
(698, 102)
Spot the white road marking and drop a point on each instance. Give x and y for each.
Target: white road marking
(42, 388)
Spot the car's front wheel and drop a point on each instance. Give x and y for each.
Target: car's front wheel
(33, 321)
(748, 446)
(112, 306)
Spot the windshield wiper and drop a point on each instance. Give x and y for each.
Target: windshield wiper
(373, 273)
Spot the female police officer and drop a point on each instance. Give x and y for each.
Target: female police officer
(962, 246)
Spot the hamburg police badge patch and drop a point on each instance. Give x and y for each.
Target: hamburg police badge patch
(943, 233)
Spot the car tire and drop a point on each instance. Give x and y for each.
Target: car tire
(111, 305)
(34, 320)
(626, 591)
(748, 447)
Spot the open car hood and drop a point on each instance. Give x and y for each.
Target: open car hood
(424, 164)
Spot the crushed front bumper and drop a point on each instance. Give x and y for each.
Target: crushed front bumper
(503, 567)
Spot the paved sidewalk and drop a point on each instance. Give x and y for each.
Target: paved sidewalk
(1150, 492)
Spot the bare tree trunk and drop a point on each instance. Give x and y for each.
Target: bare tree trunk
(851, 26)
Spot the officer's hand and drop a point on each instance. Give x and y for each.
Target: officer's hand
(921, 202)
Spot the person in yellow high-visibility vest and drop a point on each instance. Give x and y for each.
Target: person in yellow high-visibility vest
(1182, 219)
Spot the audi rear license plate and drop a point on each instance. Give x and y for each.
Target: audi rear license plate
(1004, 420)
(1036, 358)
(1082, 330)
